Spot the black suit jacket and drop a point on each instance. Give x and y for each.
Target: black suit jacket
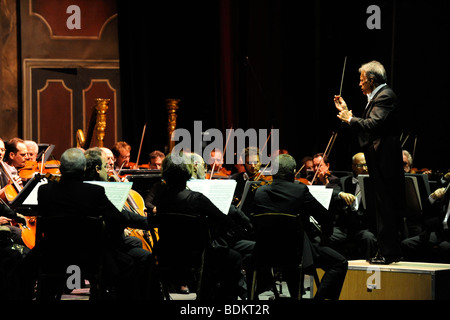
(288, 197)
(378, 133)
(379, 121)
(74, 197)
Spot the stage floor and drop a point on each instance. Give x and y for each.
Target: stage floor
(398, 281)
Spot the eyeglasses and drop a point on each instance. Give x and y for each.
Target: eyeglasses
(2, 149)
(361, 165)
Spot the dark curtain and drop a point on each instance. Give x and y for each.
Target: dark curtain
(168, 49)
(277, 64)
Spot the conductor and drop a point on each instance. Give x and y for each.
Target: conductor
(378, 132)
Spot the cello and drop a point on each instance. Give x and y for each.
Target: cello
(136, 204)
(28, 233)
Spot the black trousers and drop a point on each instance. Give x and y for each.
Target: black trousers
(335, 266)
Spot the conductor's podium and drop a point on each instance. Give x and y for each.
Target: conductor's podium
(397, 281)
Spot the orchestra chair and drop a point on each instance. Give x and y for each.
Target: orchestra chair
(181, 251)
(63, 241)
(279, 246)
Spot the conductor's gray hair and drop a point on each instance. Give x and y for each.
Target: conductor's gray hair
(374, 70)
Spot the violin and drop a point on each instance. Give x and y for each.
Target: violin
(303, 180)
(31, 167)
(423, 170)
(133, 165)
(264, 179)
(218, 174)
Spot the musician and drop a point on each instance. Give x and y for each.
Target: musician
(155, 159)
(71, 196)
(215, 162)
(285, 196)
(16, 156)
(321, 166)
(10, 260)
(433, 243)
(339, 199)
(3, 177)
(33, 149)
(378, 132)
(174, 197)
(407, 161)
(307, 167)
(121, 151)
(252, 165)
(240, 237)
(96, 170)
(355, 223)
(109, 156)
(7, 215)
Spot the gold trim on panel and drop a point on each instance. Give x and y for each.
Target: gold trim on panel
(39, 107)
(30, 64)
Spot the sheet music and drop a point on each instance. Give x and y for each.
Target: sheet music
(117, 192)
(322, 194)
(220, 191)
(31, 199)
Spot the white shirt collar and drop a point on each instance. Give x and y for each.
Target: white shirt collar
(374, 92)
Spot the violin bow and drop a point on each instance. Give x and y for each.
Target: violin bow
(212, 171)
(226, 143)
(42, 162)
(414, 150)
(325, 154)
(265, 144)
(299, 170)
(140, 147)
(261, 171)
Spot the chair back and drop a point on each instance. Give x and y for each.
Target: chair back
(76, 240)
(183, 238)
(279, 239)
(181, 250)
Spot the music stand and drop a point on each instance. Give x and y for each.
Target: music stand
(44, 150)
(412, 197)
(26, 200)
(412, 194)
(143, 182)
(423, 183)
(246, 195)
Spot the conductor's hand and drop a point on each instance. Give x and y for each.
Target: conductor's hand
(347, 197)
(340, 103)
(345, 115)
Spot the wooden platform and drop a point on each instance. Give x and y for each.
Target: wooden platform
(397, 281)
